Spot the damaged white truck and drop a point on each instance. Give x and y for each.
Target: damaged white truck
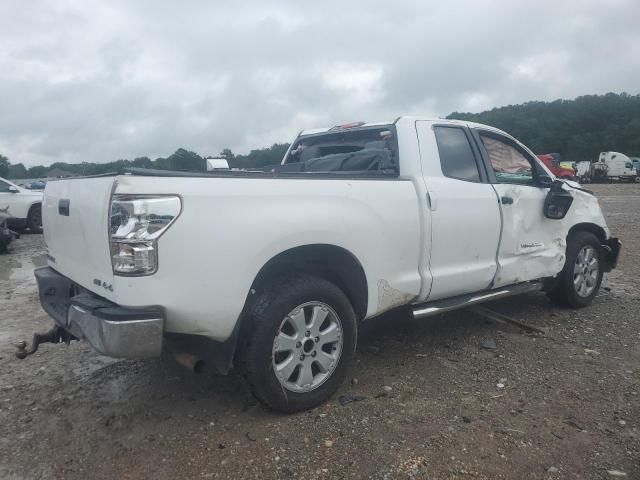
(272, 271)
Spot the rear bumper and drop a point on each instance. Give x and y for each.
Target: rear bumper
(611, 248)
(111, 330)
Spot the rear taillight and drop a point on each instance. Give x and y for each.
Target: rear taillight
(135, 224)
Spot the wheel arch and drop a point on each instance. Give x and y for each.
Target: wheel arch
(327, 261)
(37, 203)
(597, 230)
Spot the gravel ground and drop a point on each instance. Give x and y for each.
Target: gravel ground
(454, 396)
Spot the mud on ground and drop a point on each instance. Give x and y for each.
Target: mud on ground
(453, 396)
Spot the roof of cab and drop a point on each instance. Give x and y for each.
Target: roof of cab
(415, 118)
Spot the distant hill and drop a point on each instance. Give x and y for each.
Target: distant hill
(577, 129)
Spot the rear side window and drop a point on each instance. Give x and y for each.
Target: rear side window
(4, 186)
(456, 157)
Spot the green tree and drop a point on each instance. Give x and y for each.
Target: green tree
(227, 154)
(37, 172)
(4, 166)
(17, 171)
(261, 157)
(142, 162)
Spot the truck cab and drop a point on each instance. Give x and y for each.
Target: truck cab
(618, 167)
(558, 168)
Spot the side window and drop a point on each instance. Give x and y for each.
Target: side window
(507, 162)
(456, 157)
(4, 187)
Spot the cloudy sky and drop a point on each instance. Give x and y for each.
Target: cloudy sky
(98, 81)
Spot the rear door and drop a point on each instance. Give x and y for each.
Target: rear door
(465, 215)
(532, 246)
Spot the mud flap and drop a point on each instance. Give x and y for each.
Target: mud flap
(611, 248)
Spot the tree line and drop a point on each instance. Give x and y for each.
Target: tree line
(577, 129)
(181, 159)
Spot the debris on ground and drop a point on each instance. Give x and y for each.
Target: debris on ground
(349, 398)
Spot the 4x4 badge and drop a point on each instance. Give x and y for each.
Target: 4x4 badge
(105, 285)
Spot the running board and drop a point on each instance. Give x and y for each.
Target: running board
(445, 305)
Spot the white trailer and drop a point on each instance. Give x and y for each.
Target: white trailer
(217, 164)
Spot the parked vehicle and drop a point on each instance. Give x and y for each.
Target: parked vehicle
(37, 185)
(217, 164)
(611, 167)
(272, 272)
(560, 169)
(24, 206)
(583, 171)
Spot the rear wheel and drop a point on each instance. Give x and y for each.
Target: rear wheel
(298, 342)
(34, 219)
(580, 279)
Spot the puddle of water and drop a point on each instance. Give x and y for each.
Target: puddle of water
(16, 271)
(7, 266)
(39, 260)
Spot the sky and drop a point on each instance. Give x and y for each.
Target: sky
(99, 81)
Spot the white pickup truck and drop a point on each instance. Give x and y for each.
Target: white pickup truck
(273, 271)
(21, 206)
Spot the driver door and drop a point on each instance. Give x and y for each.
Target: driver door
(532, 246)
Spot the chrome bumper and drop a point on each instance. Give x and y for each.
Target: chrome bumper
(111, 330)
(121, 339)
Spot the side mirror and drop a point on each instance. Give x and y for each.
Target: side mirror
(13, 189)
(557, 203)
(545, 181)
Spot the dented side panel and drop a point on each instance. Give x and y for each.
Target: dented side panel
(533, 246)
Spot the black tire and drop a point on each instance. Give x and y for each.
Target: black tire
(565, 292)
(34, 219)
(262, 324)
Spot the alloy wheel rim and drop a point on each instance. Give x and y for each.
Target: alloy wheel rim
(307, 347)
(585, 271)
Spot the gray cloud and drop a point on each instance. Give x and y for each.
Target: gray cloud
(98, 81)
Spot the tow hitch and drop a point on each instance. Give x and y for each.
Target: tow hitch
(55, 335)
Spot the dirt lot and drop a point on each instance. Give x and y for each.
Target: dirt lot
(439, 404)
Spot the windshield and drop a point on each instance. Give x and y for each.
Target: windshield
(367, 149)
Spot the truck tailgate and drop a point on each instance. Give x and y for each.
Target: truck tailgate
(75, 217)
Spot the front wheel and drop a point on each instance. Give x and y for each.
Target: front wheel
(580, 279)
(297, 343)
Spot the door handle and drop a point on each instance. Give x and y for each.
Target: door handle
(506, 200)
